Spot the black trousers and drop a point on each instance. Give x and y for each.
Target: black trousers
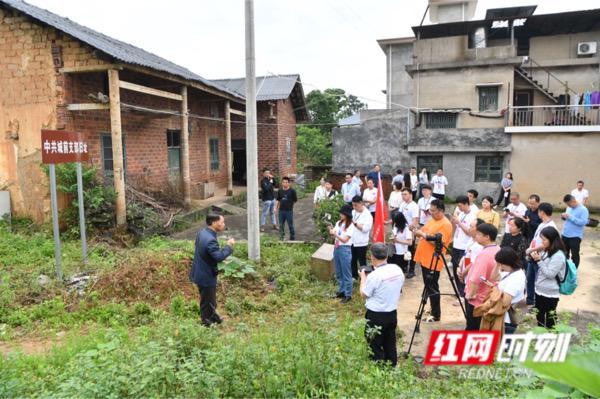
(208, 305)
(502, 197)
(546, 310)
(439, 196)
(398, 260)
(359, 258)
(415, 195)
(383, 342)
(473, 322)
(457, 255)
(432, 290)
(572, 245)
(411, 263)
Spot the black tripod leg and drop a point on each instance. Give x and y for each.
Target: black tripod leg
(454, 287)
(419, 316)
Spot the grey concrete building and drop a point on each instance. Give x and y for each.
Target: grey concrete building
(489, 96)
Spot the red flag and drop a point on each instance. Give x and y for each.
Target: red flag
(380, 215)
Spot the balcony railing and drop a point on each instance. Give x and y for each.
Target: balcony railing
(553, 115)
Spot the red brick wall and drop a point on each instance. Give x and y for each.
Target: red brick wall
(286, 130)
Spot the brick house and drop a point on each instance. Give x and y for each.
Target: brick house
(280, 105)
(149, 122)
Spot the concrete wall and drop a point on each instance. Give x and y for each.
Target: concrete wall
(560, 47)
(459, 169)
(381, 139)
(456, 88)
(399, 82)
(444, 49)
(549, 164)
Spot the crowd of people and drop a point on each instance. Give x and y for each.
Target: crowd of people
(492, 280)
(523, 265)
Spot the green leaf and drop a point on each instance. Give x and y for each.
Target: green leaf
(580, 370)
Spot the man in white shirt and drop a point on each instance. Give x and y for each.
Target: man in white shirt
(319, 192)
(414, 183)
(410, 210)
(581, 194)
(439, 182)
(472, 195)
(382, 288)
(370, 197)
(516, 209)
(362, 221)
(544, 211)
(462, 236)
(424, 203)
(349, 189)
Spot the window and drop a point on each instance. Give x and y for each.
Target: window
(213, 110)
(107, 155)
(430, 162)
(488, 98)
(213, 144)
(288, 150)
(174, 152)
(441, 120)
(488, 168)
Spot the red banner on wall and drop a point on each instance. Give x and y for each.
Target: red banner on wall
(59, 146)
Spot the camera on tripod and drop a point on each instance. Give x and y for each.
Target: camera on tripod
(437, 241)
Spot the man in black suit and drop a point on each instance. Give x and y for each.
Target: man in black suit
(204, 271)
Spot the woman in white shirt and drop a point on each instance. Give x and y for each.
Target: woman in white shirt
(370, 197)
(512, 283)
(402, 238)
(423, 180)
(342, 254)
(320, 192)
(395, 198)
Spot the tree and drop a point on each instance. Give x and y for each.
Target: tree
(313, 146)
(328, 106)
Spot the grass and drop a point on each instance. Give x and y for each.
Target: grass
(135, 333)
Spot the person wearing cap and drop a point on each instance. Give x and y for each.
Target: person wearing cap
(342, 254)
(381, 288)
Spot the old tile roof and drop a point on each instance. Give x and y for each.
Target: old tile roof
(117, 49)
(267, 87)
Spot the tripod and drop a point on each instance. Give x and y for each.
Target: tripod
(437, 255)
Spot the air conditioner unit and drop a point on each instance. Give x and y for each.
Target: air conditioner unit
(586, 48)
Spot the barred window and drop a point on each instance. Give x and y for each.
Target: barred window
(174, 151)
(488, 98)
(441, 120)
(214, 153)
(488, 168)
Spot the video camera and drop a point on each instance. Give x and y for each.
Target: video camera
(366, 268)
(437, 241)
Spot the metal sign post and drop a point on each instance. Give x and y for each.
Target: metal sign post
(54, 202)
(81, 213)
(65, 147)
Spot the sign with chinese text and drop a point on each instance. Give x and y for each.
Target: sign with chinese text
(59, 146)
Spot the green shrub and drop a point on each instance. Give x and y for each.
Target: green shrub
(326, 214)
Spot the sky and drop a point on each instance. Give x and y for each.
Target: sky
(330, 43)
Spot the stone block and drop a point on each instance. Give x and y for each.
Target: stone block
(321, 263)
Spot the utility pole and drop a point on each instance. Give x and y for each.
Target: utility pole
(251, 141)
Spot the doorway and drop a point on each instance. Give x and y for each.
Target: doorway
(238, 148)
(523, 116)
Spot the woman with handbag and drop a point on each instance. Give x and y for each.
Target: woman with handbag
(402, 238)
(551, 263)
(512, 282)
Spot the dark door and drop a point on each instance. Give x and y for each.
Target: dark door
(238, 147)
(523, 116)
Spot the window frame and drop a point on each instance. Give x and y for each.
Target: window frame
(109, 173)
(451, 122)
(172, 147)
(431, 171)
(213, 158)
(288, 150)
(488, 176)
(481, 95)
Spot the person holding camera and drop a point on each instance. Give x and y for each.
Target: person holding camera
(381, 288)
(362, 221)
(402, 239)
(342, 254)
(439, 229)
(207, 256)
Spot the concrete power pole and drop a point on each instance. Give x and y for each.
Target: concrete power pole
(251, 140)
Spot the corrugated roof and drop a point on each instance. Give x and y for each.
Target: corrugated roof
(117, 49)
(267, 87)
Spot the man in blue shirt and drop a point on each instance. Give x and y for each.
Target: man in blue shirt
(349, 189)
(576, 217)
(374, 175)
(207, 256)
